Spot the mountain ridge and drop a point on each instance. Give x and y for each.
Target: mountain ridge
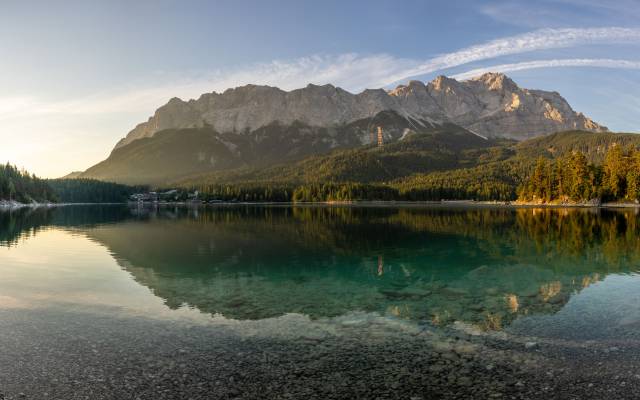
(172, 154)
(490, 105)
(255, 127)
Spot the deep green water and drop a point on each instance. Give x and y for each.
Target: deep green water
(556, 273)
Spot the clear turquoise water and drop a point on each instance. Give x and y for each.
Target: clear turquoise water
(549, 273)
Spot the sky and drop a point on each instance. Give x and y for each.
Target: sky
(76, 76)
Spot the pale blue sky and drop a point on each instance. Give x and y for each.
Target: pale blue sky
(78, 75)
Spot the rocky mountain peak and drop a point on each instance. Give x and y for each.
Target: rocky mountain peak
(327, 87)
(412, 87)
(496, 81)
(442, 83)
(175, 100)
(491, 105)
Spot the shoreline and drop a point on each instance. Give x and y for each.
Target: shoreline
(14, 205)
(395, 203)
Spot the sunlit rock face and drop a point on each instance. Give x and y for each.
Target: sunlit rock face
(491, 105)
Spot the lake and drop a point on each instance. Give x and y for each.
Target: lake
(246, 301)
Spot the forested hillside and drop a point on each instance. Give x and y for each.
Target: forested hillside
(92, 191)
(491, 181)
(292, 153)
(455, 171)
(574, 178)
(21, 186)
(447, 163)
(592, 145)
(444, 149)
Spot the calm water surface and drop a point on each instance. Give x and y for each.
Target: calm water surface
(89, 276)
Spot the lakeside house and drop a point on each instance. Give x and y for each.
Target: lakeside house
(172, 195)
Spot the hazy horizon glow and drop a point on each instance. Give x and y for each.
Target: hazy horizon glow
(85, 73)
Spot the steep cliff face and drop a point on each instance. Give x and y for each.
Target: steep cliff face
(248, 108)
(491, 105)
(174, 154)
(494, 105)
(254, 127)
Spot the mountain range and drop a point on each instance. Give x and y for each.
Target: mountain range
(253, 128)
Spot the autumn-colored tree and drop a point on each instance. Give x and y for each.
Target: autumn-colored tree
(579, 176)
(633, 176)
(615, 170)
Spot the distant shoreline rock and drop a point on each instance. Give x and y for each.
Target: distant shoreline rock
(12, 205)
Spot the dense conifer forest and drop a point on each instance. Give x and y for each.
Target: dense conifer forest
(21, 186)
(573, 178)
(92, 191)
(562, 167)
(567, 167)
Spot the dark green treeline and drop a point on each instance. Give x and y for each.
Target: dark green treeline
(573, 178)
(569, 178)
(21, 186)
(92, 191)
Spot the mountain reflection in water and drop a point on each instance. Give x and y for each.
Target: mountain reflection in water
(484, 266)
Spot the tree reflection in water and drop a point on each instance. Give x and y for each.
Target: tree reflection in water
(485, 266)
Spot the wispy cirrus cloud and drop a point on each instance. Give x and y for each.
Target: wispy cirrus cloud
(573, 62)
(543, 39)
(561, 13)
(352, 72)
(97, 121)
